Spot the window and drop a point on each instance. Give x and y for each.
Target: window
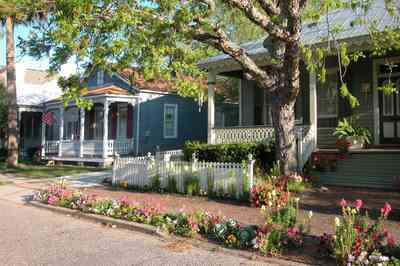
(100, 77)
(122, 120)
(170, 121)
(328, 99)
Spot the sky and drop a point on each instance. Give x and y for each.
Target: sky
(27, 61)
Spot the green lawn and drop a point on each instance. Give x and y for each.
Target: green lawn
(42, 171)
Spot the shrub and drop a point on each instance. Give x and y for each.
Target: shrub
(192, 185)
(155, 183)
(263, 153)
(172, 185)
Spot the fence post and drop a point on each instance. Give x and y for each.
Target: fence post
(115, 167)
(250, 171)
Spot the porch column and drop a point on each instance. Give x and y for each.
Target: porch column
(105, 129)
(61, 137)
(313, 106)
(82, 131)
(137, 124)
(211, 107)
(43, 153)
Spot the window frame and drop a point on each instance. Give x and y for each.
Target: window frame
(100, 77)
(175, 135)
(329, 71)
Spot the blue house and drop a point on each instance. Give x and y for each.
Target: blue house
(129, 116)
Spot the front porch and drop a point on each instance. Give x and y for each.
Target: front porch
(108, 129)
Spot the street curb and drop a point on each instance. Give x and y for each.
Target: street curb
(143, 228)
(151, 230)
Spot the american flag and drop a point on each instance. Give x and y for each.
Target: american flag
(48, 118)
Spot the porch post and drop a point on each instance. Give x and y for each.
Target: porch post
(61, 137)
(43, 152)
(105, 129)
(211, 109)
(82, 131)
(313, 106)
(137, 124)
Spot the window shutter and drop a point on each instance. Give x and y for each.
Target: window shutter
(129, 124)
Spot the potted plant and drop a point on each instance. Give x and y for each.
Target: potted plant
(355, 135)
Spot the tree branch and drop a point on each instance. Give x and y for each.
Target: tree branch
(260, 19)
(220, 41)
(270, 7)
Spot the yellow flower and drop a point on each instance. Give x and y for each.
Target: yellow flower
(337, 221)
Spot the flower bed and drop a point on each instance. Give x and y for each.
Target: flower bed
(280, 232)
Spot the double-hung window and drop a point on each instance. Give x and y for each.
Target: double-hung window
(328, 104)
(170, 121)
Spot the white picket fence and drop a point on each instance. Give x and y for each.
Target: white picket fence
(231, 179)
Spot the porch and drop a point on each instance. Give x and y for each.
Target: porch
(109, 128)
(252, 121)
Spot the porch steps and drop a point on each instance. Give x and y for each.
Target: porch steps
(372, 169)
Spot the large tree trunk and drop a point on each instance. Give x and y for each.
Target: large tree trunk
(12, 159)
(283, 117)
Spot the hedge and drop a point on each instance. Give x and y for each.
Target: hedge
(263, 153)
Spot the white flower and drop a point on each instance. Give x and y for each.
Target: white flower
(337, 221)
(297, 200)
(273, 193)
(310, 214)
(263, 207)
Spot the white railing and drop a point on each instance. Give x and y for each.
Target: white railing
(222, 178)
(305, 138)
(242, 134)
(169, 155)
(93, 148)
(124, 146)
(51, 146)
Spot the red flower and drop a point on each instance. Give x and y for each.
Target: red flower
(358, 204)
(343, 203)
(386, 209)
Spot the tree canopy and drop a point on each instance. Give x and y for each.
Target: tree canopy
(167, 38)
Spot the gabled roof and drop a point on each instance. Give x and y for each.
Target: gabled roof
(313, 33)
(107, 90)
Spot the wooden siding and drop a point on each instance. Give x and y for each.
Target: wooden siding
(325, 138)
(192, 124)
(365, 169)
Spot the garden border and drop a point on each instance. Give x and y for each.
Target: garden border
(133, 226)
(153, 231)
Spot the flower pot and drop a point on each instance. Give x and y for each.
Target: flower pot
(357, 143)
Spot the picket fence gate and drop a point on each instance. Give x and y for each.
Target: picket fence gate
(223, 179)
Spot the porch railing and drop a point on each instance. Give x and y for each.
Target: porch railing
(92, 148)
(305, 138)
(242, 134)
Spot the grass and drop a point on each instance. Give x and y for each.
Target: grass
(41, 171)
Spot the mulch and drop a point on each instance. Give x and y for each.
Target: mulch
(323, 204)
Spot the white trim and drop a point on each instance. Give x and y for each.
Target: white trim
(175, 135)
(375, 75)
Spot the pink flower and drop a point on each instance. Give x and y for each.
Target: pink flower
(386, 209)
(391, 240)
(358, 204)
(52, 200)
(292, 232)
(343, 203)
(125, 200)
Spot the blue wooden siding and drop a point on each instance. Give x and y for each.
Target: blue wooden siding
(109, 79)
(192, 124)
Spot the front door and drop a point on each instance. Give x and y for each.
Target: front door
(389, 105)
